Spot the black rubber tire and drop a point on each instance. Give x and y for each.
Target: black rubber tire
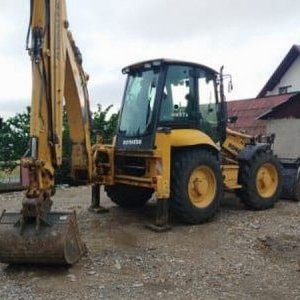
(183, 164)
(128, 196)
(297, 190)
(247, 178)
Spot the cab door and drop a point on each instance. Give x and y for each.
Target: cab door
(208, 105)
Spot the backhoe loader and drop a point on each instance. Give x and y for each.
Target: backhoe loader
(172, 142)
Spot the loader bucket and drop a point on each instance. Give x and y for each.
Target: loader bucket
(58, 243)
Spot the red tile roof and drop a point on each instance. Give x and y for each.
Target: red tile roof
(248, 110)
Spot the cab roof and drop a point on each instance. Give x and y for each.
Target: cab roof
(162, 61)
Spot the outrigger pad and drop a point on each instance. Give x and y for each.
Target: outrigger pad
(58, 243)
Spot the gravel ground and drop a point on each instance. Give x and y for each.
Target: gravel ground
(240, 254)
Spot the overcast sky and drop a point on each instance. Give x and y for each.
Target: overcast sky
(249, 37)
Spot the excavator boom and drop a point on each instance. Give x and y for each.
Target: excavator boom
(58, 79)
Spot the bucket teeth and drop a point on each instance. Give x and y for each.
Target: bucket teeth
(57, 243)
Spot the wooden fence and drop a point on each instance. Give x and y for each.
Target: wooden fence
(10, 182)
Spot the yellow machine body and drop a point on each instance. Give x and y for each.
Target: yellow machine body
(158, 161)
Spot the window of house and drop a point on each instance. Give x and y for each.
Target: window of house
(284, 89)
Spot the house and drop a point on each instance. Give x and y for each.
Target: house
(248, 112)
(286, 77)
(276, 109)
(279, 115)
(284, 121)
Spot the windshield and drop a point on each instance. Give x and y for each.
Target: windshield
(138, 103)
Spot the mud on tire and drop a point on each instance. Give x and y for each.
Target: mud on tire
(184, 163)
(254, 193)
(127, 196)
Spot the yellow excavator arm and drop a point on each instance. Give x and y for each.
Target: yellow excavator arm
(58, 79)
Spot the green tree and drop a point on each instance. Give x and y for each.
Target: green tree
(101, 122)
(14, 137)
(104, 123)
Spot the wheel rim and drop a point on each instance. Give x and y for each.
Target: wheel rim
(267, 180)
(202, 186)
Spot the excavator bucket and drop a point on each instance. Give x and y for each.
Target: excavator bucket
(57, 243)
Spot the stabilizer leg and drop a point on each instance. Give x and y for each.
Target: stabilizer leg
(161, 223)
(95, 203)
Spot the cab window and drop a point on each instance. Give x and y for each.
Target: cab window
(178, 95)
(208, 105)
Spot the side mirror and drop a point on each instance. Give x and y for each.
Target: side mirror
(230, 85)
(232, 119)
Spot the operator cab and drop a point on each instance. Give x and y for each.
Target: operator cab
(166, 95)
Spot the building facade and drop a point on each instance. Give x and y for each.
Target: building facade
(286, 77)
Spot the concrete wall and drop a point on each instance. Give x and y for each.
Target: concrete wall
(287, 141)
(291, 77)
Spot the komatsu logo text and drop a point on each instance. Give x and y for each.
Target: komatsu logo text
(132, 142)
